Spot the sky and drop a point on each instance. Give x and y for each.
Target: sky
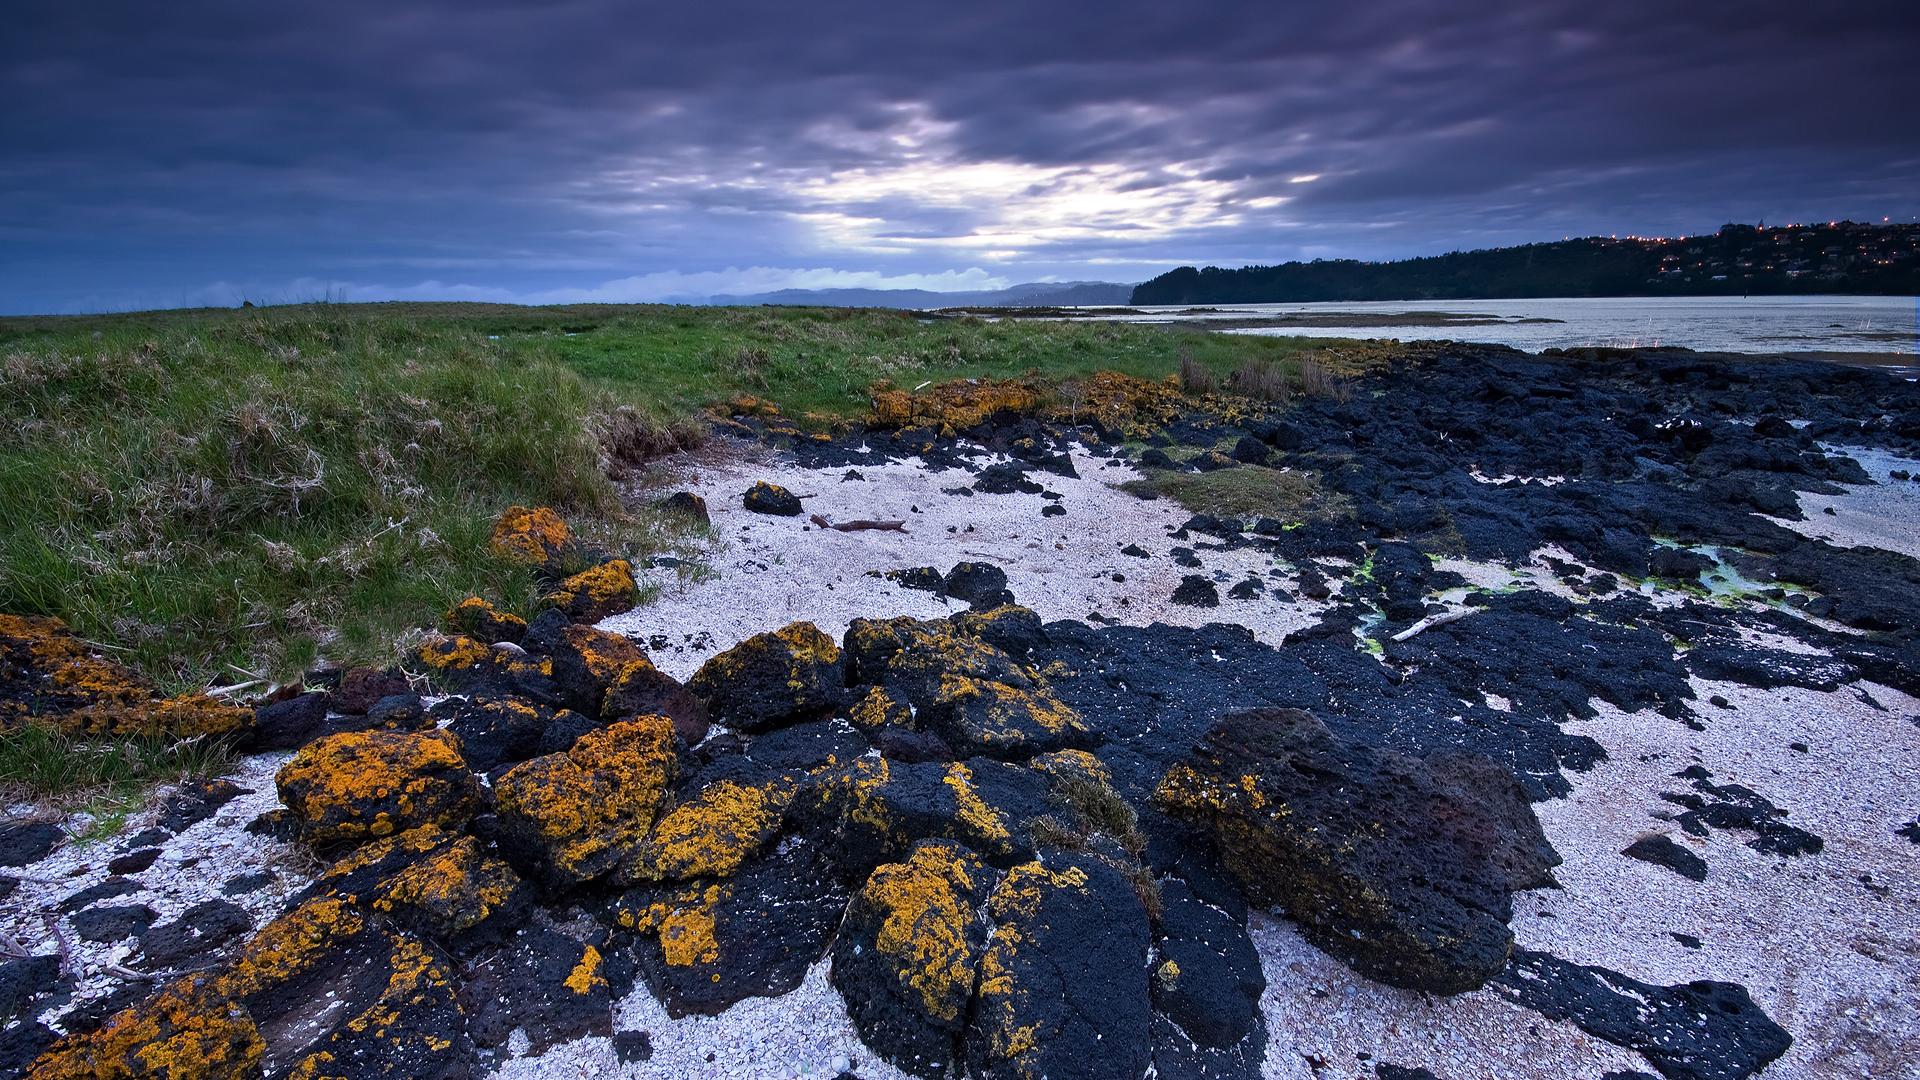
(210, 151)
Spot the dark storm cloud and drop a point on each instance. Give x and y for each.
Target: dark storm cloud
(535, 147)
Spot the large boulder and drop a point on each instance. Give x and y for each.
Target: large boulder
(907, 953)
(1063, 988)
(365, 785)
(774, 679)
(50, 676)
(1403, 869)
(440, 882)
(569, 818)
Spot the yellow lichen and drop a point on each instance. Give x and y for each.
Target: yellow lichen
(588, 807)
(586, 973)
(369, 783)
(877, 708)
(1073, 765)
(686, 933)
(185, 1032)
(530, 536)
(475, 618)
(594, 594)
(716, 831)
(927, 915)
(983, 821)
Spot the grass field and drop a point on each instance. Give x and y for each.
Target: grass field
(216, 490)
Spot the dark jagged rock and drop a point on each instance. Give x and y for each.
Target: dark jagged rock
(773, 679)
(133, 861)
(481, 621)
(399, 712)
(1014, 630)
(26, 844)
(1403, 869)
(113, 923)
(1388, 1071)
(907, 953)
(196, 801)
(1660, 850)
(1212, 988)
(565, 729)
(707, 944)
(804, 747)
(247, 883)
(495, 730)
(1061, 989)
(22, 1043)
(543, 982)
(105, 890)
(632, 1046)
(148, 837)
(437, 882)
(982, 585)
(1734, 806)
(543, 633)
(586, 661)
(1196, 591)
(24, 979)
(1695, 1031)
(363, 786)
(200, 929)
(289, 724)
(1005, 478)
(765, 498)
(689, 505)
(361, 687)
(644, 690)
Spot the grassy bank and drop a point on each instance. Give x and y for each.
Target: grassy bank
(209, 491)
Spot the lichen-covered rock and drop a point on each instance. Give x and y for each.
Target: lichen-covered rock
(545, 983)
(709, 943)
(188, 1031)
(644, 690)
(586, 661)
(907, 952)
(1403, 869)
(52, 677)
(569, 818)
(1063, 987)
(535, 537)
(773, 679)
(462, 662)
(594, 594)
(714, 832)
(765, 498)
(477, 619)
(365, 785)
(877, 707)
(436, 881)
(977, 717)
(1010, 628)
(872, 810)
(413, 1028)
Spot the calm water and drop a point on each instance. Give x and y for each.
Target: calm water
(1882, 324)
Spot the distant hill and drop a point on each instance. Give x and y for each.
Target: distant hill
(1847, 257)
(1032, 294)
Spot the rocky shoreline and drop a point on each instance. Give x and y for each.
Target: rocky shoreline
(1214, 797)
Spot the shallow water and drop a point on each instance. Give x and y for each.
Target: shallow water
(1769, 324)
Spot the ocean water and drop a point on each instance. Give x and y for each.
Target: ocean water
(1770, 324)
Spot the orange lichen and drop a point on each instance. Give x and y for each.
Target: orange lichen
(877, 708)
(954, 407)
(452, 889)
(592, 595)
(358, 785)
(984, 824)
(530, 536)
(997, 718)
(475, 618)
(799, 654)
(602, 655)
(185, 1032)
(712, 834)
(52, 677)
(926, 908)
(684, 920)
(586, 809)
(586, 974)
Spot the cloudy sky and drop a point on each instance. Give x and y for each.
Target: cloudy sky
(205, 151)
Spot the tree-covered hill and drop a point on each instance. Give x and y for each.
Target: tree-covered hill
(1844, 257)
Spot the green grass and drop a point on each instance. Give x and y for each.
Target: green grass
(263, 487)
(1247, 492)
(106, 779)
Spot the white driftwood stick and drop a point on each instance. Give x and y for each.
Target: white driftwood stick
(1432, 621)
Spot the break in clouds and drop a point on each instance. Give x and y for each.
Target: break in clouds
(205, 152)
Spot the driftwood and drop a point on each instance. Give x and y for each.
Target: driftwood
(855, 526)
(1432, 621)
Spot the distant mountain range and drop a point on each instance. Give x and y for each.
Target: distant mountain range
(1838, 258)
(1032, 294)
